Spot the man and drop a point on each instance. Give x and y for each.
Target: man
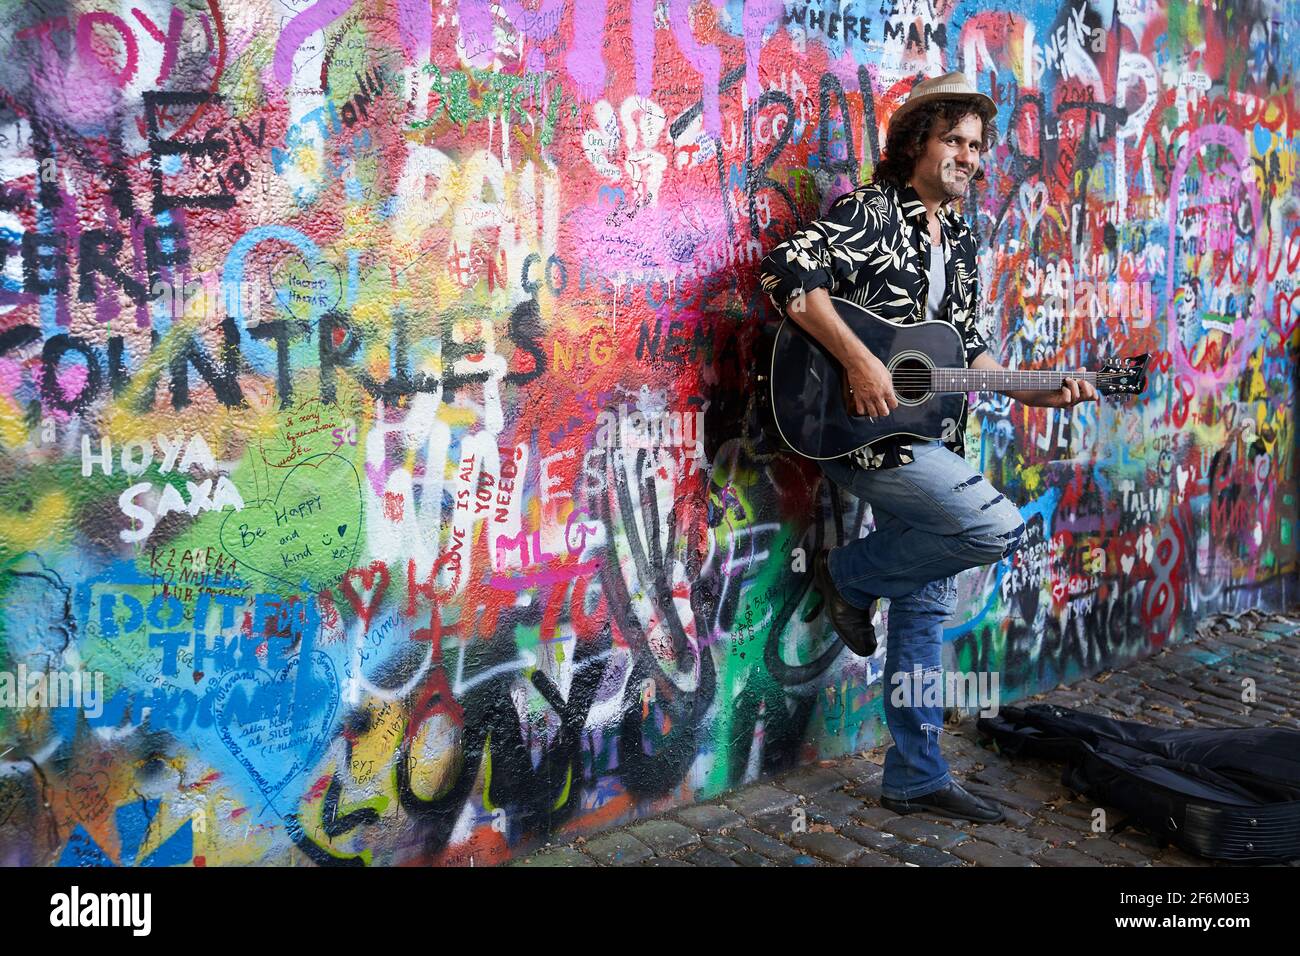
(897, 249)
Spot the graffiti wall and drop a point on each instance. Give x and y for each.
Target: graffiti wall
(381, 481)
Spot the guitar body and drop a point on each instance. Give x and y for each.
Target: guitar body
(807, 396)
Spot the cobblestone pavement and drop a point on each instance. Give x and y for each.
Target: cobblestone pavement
(1197, 683)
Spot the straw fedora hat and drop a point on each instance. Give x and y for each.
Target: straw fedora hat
(950, 86)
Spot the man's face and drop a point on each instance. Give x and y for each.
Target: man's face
(945, 168)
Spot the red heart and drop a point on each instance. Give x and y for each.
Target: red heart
(1285, 314)
(367, 576)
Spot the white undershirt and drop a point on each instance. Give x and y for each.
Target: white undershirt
(938, 282)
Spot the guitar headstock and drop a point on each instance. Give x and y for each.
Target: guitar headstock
(1126, 376)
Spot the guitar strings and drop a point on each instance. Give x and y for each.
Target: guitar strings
(1017, 371)
(923, 381)
(926, 377)
(928, 374)
(914, 379)
(1006, 371)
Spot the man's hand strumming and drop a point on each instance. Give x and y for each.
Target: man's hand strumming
(868, 388)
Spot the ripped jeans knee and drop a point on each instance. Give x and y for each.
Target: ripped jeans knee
(1014, 540)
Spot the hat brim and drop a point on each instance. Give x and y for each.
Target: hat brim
(915, 101)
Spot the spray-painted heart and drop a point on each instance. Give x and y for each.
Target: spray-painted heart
(1285, 313)
(277, 726)
(310, 531)
(365, 608)
(1033, 203)
(1263, 139)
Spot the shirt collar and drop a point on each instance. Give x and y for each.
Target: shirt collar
(955, 221)
(913, 208)
(910, 200)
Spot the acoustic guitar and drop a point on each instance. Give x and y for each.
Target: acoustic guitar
(927, 362)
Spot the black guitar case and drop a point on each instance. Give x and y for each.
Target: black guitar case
(1224, 794)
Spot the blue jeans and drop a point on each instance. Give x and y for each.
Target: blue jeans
(934, 518)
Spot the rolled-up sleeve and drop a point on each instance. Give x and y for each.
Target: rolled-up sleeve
(826, 252)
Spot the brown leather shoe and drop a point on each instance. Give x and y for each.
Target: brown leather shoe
(852, 624)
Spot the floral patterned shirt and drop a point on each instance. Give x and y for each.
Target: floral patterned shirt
(873, 248)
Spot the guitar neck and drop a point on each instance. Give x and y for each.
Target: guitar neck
(990, 380)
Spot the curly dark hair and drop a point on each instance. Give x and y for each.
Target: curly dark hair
(907, 137)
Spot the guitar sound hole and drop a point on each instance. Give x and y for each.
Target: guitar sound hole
(911, 379)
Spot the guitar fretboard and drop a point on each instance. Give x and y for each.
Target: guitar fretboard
(986, 380)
